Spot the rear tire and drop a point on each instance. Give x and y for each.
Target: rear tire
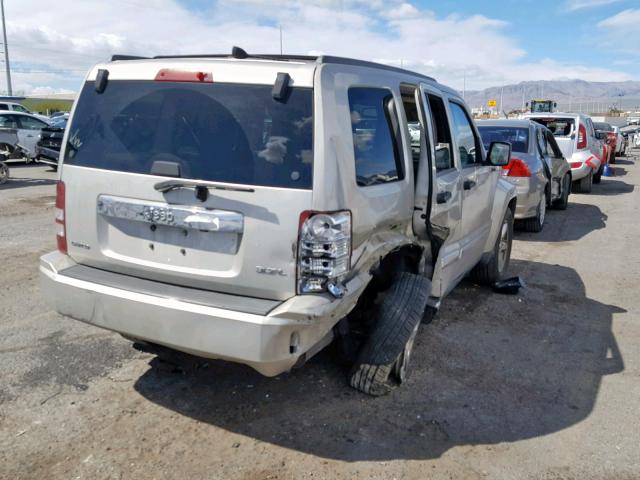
(536, 224)
(487, 273)
(383, 360)
(563, 202)
(583, 185)
(597, 178)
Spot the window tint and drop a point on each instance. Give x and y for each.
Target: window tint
(442, 134)
(218, 132)
(4, 106)
(8, 121)
(468, 144)
(375, 148)
(516, 136)
(31, 123)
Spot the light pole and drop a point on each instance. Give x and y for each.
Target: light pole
(6, 51)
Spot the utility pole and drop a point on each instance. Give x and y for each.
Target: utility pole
(280, 27)
(501, 97)
(464, 83)
(6, 51)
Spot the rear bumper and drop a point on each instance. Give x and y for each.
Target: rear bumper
(528, 191)
(271, 343)
(588, 163)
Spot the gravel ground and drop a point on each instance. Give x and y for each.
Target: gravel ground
(541, 385)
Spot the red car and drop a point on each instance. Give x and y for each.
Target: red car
(610, 140)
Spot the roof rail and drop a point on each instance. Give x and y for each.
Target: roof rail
(365, 63)
(239, 53)
(115, 58)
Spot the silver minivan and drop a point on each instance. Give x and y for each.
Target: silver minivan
(252, 208)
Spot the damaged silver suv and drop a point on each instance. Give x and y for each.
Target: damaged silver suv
(253, 208)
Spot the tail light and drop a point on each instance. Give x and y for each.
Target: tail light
(61, 226)
(576, 164)
(516, 168)
(324, 250)
(582, 137)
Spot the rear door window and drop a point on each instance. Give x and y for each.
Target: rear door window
(442, 133)
(9, 121)
(375, 144)
(219, 132)
(516, 136)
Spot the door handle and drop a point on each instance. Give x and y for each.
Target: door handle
(468, 184)
(443, 197)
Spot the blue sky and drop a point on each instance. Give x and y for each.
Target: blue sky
(488, 42)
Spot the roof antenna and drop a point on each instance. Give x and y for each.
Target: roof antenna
(237, 52)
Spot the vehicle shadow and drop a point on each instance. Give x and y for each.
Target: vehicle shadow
(25, 182)
(621, 161)
(609, 186)
(577, 221)
(489, 369)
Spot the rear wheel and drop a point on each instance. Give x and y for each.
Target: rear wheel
(563, 201)
(490, 272)
(535, 224)
(384, 358)
(597, 177)
(583, 185)
(4, 173)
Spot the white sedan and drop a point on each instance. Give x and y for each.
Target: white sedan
(28, 128)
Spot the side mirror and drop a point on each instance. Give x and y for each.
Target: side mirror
(499, 154)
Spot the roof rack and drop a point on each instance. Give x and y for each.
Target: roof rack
(239, 53)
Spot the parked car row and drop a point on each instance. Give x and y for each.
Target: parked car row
(292, 202)
(29, 128)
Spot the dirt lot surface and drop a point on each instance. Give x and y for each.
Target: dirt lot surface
(541, 385)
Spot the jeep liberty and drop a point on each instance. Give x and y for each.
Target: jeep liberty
(253, 208)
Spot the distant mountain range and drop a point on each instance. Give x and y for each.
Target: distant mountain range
(569, 94)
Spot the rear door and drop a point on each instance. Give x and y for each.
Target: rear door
(29, 132)
(197, 184)
(446, 200)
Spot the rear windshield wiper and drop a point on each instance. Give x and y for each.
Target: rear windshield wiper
(169, 185)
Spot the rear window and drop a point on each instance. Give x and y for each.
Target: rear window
(605, 127)
(560, 127)
(517, 137)
(216, 132)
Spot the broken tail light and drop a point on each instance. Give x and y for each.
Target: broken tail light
(324, 250)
